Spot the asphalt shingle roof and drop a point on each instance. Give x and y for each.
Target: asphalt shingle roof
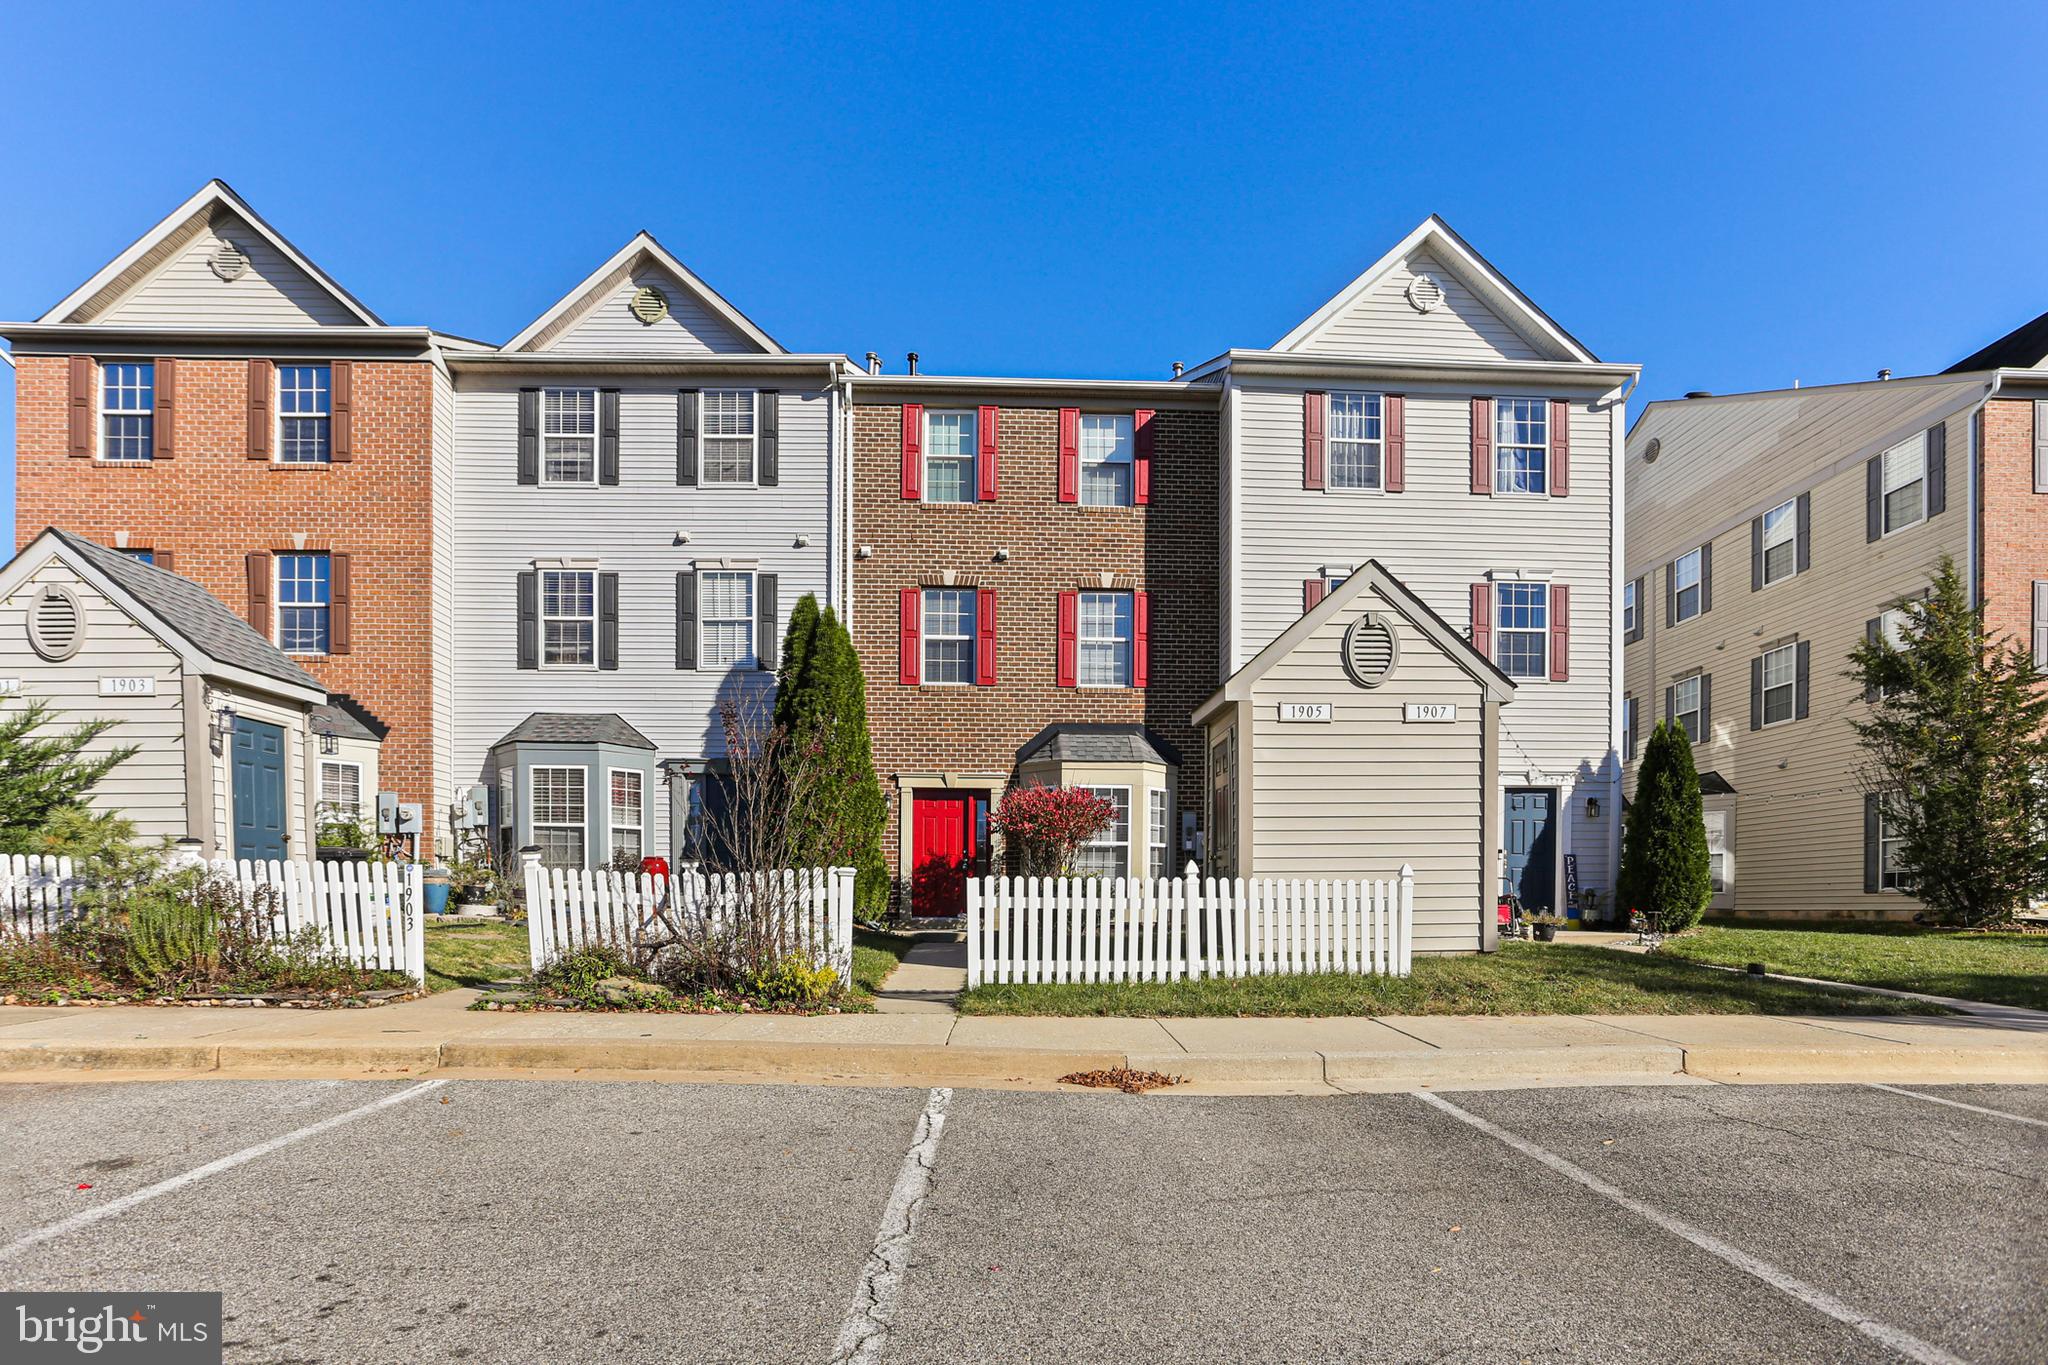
(559, 727)
(1097, 744)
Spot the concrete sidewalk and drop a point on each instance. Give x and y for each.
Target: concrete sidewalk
(439, 1035)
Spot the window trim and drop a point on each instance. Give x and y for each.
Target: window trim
(971, 460)
(1128, 657)
(534, 824)
(1628, 727)
(1790, 686)
(278, 415)
(544, 617)
(1885, 489)
(925, 635)
(1542, 448)
(1896, 883)
(1631, 609)
(595, 438)
(1696, 731)
(320, 802)
(1157, 832)
(1330, 442)
(100, 413)
(612, 825)
(280, 606)
(1542, 633)
(1128, 462)
(753, 439)
(1790, 507)
(1097, 789)
(752, 661)
(1698, 586)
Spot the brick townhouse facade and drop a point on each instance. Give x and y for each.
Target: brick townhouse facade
(2012, 550)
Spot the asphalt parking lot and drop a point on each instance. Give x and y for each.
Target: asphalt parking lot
(585, 1221)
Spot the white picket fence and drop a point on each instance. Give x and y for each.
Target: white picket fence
(567, 908)
(1045, 929)
(369, 914)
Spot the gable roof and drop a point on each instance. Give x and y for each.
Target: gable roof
(185, 222)
(2025, 347)
(1098, 743)
(561, 727)
(595, 286)
(1434, 237)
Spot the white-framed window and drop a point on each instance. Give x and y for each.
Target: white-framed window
(725, 613)
(1685, 706)
(1155, 833)
(1521, 632)
(341, 788)
(1108, 854)
(1781, 542)
(1904, 484)
(1106, 446)
(141, 556)
(728, 418)
(568, 618)
(303, 603)
(127, 411)
(1521, 445)
(1357, 448)
(1891, 627)
(948, 634)
(1890, 876)
(1629, 608)
(628, 812)
(305, 413)
(1781, 683)
(1628, 728)
(568, 436)
(1686, 592)
(951, 440)
(1106, 629)
(557, 796)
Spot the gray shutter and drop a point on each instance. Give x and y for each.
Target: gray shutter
(608, 621)
(608, 436)
(529, 436)
(1873, 498)
(769, 430)
(1671, 594)
(1706, 707)
(1756, 553)
(686, 620)
(1871, 861)
(1873, 631)
(1805, 658)
(1670, 703)
(1803, 556)
(1635, 736)
(2040, 620)
(1756, 693)
(2040, 446)
(767, 634)
(1706, 578)
(529, 619)
(1937, 469)
(686, 440)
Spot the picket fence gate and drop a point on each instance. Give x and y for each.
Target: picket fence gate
(1066, 929)
(568, 908)
(369, 914)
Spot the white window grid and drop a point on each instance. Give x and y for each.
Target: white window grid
(568, 436)
(1521, 445)
(1685, 706)
(1904, 484)
(1628, 607)
(127, 411)
(1108, 854)
(341, 788)
(1781, 542)
(1521, 632)
(1357, 441)
(1686, 593)
(951, 442)
(556, 796)
(303, 603)
(1155, 833)
(1781, 680)
(1891, 626)
(1105, 632)
(1890, 843)
(948, 634)
(1107, 446)
(725, 614)
(729, 437)
(627, 791)
(305, 411)
(568, 618)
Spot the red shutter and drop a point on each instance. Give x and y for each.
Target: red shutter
(341, 399)
(1070, 613)
(1482, 445)
(1141, 637)
(1394, 427)
(82, 376)
(1312, 593)
(1141, 457)
(257, 562)
(987, 426)
(985, 636)
(909, 647)
(259, 409)
(1482, 618)
(162, 559)
(1560, 447)
(338, 598)
(1070, 457)
(1315, 408)
(913, 454)
(1560, 633)
(164, 422)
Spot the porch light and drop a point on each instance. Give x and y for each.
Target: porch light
(224, 723)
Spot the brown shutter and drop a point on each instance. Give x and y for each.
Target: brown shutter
(162, 559)
(1560, 448)
(259, 409)
(338, 599)
(82, 376)
(1394, 427)
(1560, 633)
(340, 395)
(1482, 446)
(164, 423)
(1482, 618)
(1315, 408)
(258, 565)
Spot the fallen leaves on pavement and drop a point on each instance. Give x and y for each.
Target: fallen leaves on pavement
(1122, 1078)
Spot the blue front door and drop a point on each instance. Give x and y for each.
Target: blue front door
(1531, 840)
(259, 790)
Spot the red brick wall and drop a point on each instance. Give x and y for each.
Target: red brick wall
(211, 505)
(2014, 548)
(1167, 549)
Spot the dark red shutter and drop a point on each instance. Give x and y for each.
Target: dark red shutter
(1313, 591)
(1069, 646)
(341, 399)
(909, 647)
(162, 560)
(1070, 456)
(1315, 408)
(987, 426)
(164, 423)
(1482, 618)
(1560, 633)
(80, 433)
(259, 409)
(1141, 637)
(257, 564)
(338, 600)
(1482, 445)
(985, 637)
(1560, 447)
(1394, 427)
(1141, 457)
(913, 453)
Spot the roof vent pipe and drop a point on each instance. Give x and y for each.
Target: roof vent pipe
(874, 363)
(1884, 374)
(913, 362)
(1177, 368)
(1700, 393)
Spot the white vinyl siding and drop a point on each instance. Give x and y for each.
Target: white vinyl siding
(127, 411)
(948, 635)
(950, 442)
(557, 798)
(184, 291)
(568, 618)
(568, 435)
(1904, 484)
(1105, 639)
(1108, 854)
(725, 601)
(305, 413)
(1383, 325)
(1781, 679)
(1686, 594)
(728, 436)
(628, 813)
(1781, 542)
(1106, 446)
(1357, 448)
(608, 326)
(1521, 445)
(1521, 629)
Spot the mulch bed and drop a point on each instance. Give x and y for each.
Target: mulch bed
(1122, 1078)
(301, 1001)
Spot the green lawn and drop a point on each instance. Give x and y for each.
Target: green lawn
(1522, 978)
(474, 954)
(2006, 969)
(875, 956)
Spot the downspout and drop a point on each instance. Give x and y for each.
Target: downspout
(1973, 544)
(1617, 444)
(843, 472)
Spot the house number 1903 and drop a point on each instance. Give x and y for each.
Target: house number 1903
(128, 687)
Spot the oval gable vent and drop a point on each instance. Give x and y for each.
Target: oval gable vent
(56, 624)
(1371, 650)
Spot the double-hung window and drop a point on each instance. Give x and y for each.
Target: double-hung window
(1155, 833)
(303, 602)
(1521, 636)
(341, 789)
(1521, 445)
(1629, 608)
(1890, 843)
(1106, 630)
(950, 442)
(568, 436)
(1108, 854)
(627, 814)
(1781, 542)
(305, 414)
(127, 411)
(1780, 683)
(1106, 446)
(728, 436)
(558, 814)
(1628, 728)
(949, 620)
(1905, 484)
(568, 618)
(1356, 441)
(1685, 706)
(725, 601)
(1686, 593)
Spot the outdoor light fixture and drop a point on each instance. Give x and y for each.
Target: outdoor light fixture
(1002, 555)
(330, 744)
(223, 724)
(1592, 808)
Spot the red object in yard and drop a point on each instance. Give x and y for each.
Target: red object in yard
(654, 867)
(1506, 912)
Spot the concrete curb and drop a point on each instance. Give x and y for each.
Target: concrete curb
(1919, 1064)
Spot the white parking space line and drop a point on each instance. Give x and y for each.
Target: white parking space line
(1958, 1104)
(116, 1207)
(1903, 1342)
(865, 1332)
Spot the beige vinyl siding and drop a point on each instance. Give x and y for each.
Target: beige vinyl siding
(272, 292)
(442, 701)
(1383, 325)
(608, 327)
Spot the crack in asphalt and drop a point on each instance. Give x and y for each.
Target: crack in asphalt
(1928, 1157)
(866, 1329)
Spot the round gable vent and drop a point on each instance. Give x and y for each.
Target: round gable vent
(1425, 293)
(228, 261)
(649, 305)
(1371, 649)
(56, 623)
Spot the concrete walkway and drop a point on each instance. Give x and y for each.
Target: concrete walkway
(929, 980)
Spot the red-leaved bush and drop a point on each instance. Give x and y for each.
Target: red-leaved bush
(1045, 825)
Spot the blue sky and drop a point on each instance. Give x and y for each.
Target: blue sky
(1734, 196)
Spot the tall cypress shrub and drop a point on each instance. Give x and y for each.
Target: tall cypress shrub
(1664, 862)
(822, 701)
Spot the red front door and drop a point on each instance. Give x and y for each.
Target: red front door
(944, 845)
